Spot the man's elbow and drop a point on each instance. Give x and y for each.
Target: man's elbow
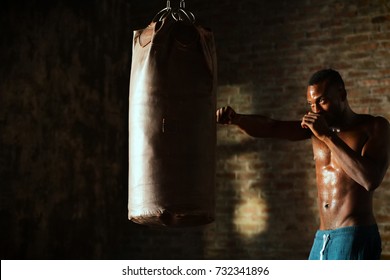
(373, 183)
(371, 186)
(373, 178)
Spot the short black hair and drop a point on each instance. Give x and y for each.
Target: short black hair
(330, 75)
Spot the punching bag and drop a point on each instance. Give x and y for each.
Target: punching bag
(172, 128)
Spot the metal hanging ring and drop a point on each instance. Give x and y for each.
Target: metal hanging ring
(163, 13)
(181, 15)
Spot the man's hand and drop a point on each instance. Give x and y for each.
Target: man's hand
(317, 124)
(226, 115)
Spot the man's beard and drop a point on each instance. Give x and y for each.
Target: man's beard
(333, 119)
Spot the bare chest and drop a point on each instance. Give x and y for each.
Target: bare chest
(331, 179)
(355, 140)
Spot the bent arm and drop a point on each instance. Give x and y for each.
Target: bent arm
(369, 167)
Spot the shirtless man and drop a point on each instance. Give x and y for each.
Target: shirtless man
(351, 153)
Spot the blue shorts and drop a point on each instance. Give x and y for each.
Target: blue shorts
(347, 243)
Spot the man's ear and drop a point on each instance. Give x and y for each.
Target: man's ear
(343, 93)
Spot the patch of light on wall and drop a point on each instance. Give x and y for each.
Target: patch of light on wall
(251, 216)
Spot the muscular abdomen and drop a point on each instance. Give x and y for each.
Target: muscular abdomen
(341, 201)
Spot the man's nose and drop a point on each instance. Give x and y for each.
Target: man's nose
(315, 108)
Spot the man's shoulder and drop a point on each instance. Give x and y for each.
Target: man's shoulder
(375, 125)
(371, 125)
(380, 123)
(373, 121)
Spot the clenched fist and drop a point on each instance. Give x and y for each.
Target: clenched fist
(226, 115)
(317, 124)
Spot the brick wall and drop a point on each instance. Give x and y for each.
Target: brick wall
(267, 51)
(63, 119)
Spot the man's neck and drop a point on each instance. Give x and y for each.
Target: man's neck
(347, 118)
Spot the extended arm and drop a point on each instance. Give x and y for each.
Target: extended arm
(263, 127)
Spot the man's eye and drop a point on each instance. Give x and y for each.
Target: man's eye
(322, 101)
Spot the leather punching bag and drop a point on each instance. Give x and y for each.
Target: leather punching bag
(172, 130)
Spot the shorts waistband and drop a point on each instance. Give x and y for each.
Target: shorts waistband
(347, 230)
